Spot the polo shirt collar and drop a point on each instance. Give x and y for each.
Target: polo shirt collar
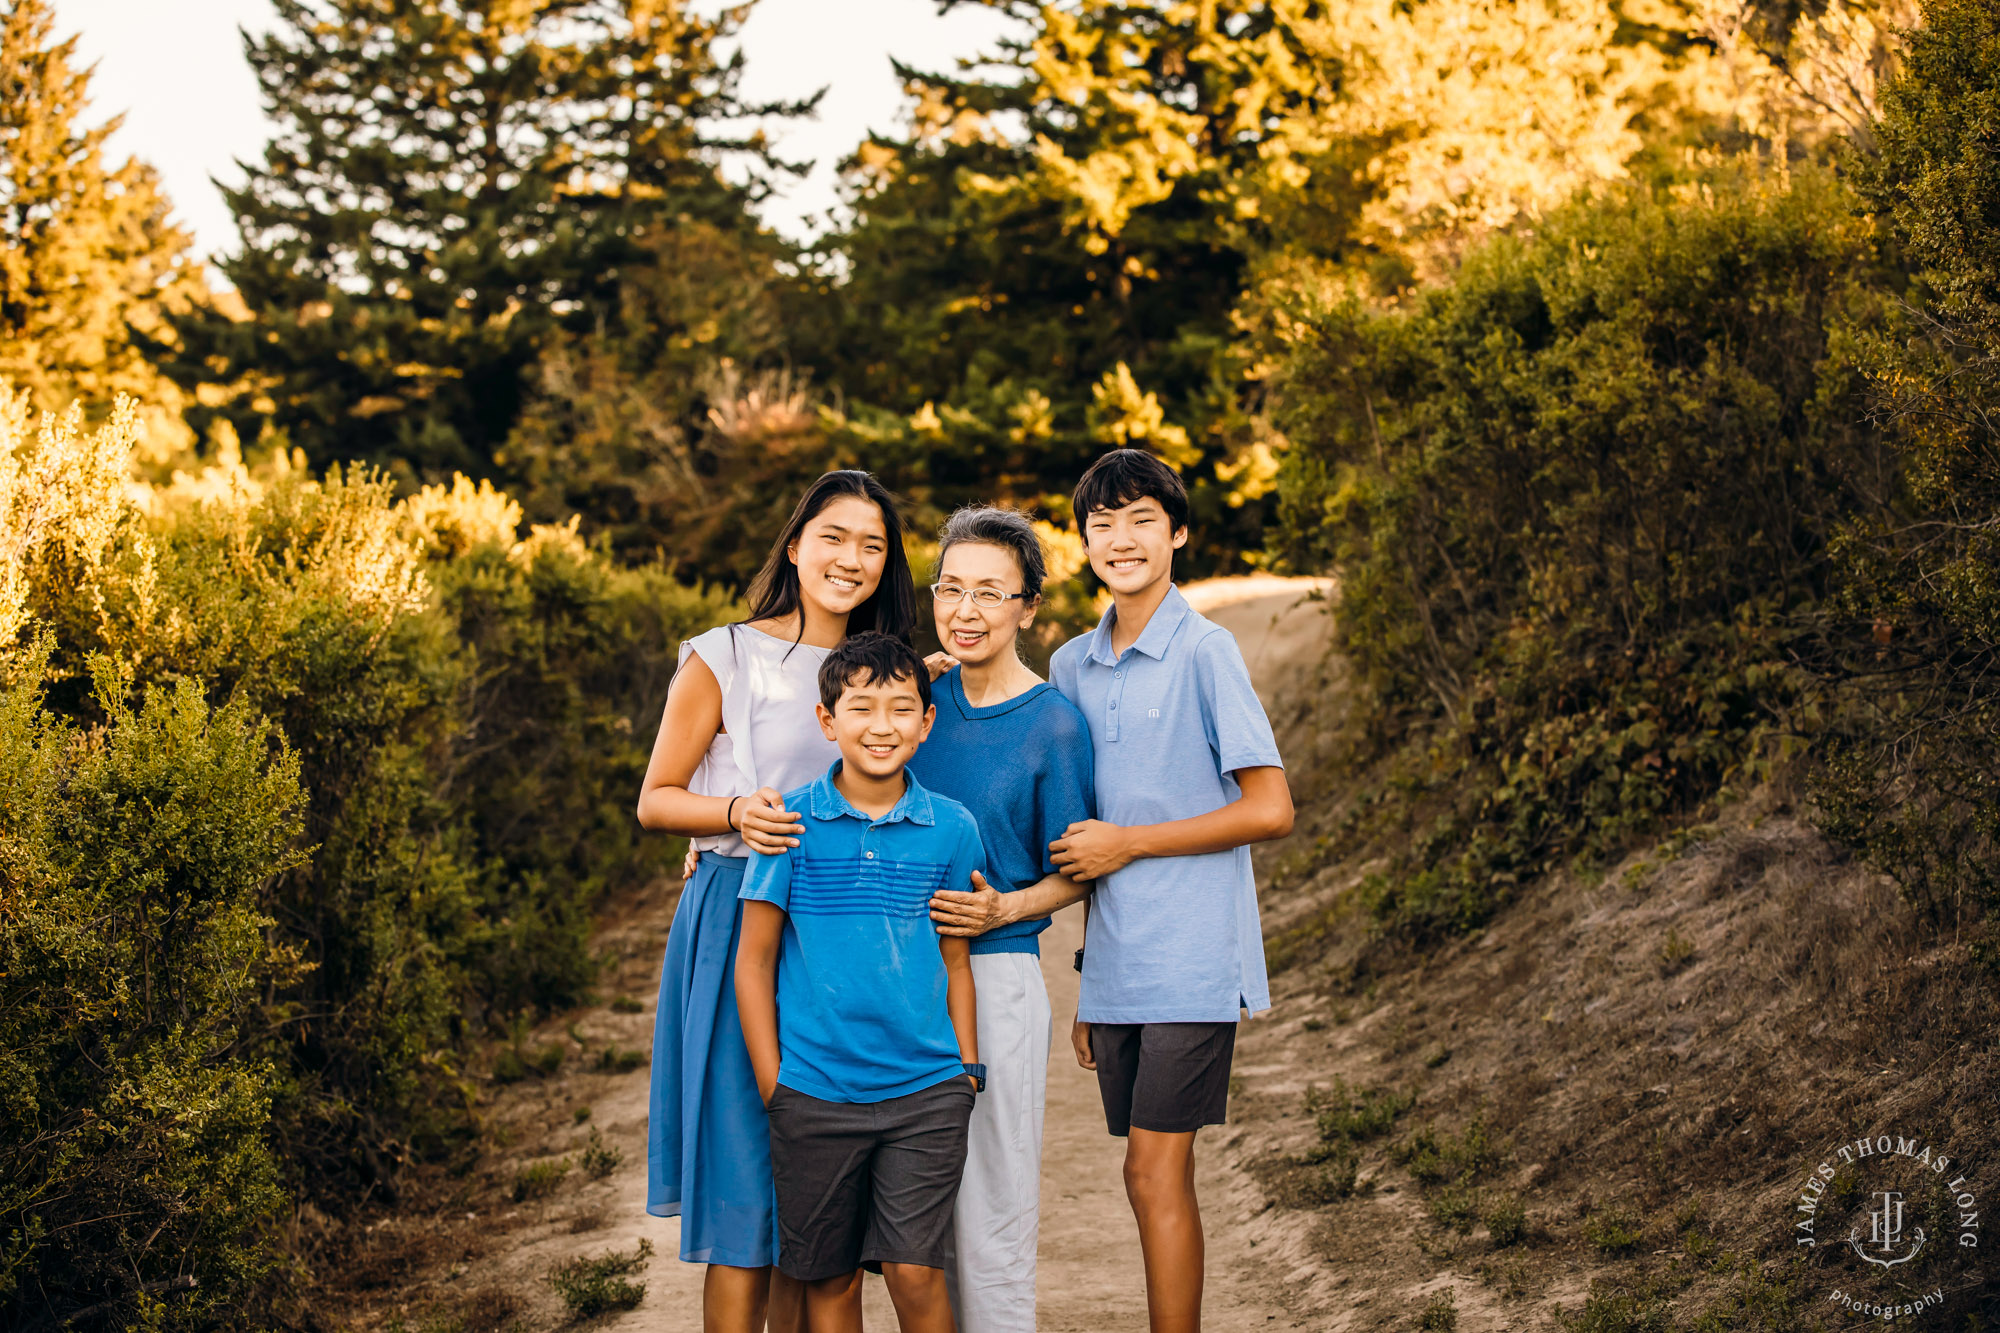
(826, 802)
(1153, 640)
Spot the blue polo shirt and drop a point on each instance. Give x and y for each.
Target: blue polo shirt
(1022, 767)
(862, 1013)
(1172, 939)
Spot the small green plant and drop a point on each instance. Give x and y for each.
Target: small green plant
(1436, 1056)
(591, 1287)
(1432, 1156)
(1331, 1180)
(1615, 1233)
(1455, 1206)
(540, 1180)
(1506, 1219)
(580, 1114)
(1313, 1024)
(625, 1004)
(1845, 1187)
(1355, 1117)
(1617, 1310)
(612, 1060)
(600, 1159)
(1441, 1315)
(1676, 951)
(1510, 1277)
(516, 1062)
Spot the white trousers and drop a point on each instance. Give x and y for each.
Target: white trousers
(991, 1277)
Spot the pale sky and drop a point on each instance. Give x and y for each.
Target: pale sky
(176, 69)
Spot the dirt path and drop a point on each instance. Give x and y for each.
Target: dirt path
(1090, 1278)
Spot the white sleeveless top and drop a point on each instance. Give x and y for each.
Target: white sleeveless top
(770, 737)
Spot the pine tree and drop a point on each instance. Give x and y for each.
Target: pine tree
(452, 181)
(1055, 240)
(90, 263)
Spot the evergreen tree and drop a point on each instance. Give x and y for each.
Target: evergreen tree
(1047, 263)
(452, 181)
(89, 261)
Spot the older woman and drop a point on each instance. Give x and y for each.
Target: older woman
(1017, 754)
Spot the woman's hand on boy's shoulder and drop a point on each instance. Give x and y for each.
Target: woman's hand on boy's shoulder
(939, 663)
(1092, 849)
(957, 912)
(766, 825)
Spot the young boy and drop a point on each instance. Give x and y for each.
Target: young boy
(858, 1016)
(1188, 776)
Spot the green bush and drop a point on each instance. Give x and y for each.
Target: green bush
(591, 1287)
(1913, 767)
(462, 716)
(1580, 499)
(1615, 1233)
(540, 1180)
(600, 1159)
(136, 951)
(1506, 1219)
(1355, 1117)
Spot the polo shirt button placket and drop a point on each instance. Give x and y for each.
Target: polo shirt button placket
(1117, 689)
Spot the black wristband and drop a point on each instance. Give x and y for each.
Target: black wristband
(1079, 960)
(729, 815)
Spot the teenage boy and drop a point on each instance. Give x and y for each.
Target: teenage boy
(1187, 776)
(858, 1016)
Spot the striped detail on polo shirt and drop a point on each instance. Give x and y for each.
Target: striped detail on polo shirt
(860, 887)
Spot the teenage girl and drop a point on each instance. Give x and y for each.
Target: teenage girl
(738, 730)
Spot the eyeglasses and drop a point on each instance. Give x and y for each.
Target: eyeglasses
(951, 594)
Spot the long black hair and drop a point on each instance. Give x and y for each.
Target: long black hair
(890, 609)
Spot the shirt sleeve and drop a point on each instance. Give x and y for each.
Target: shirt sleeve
(1238, 731)
(969, 855)
(768, 879)
(1066, 790)
(1062, 671)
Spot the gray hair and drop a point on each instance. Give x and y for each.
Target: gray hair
(1009, 529)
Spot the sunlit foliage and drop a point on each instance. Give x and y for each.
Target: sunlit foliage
(90, 264)
(459, 713)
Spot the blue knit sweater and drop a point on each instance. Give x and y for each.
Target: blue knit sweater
(1024, 769)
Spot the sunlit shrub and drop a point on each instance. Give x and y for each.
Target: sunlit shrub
(467, 712)
(1580, 500)
(137, 951)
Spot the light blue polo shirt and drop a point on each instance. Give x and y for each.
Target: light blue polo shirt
(862, 1013)
(1172, 939)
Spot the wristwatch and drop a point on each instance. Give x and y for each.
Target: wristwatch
(978, 1073)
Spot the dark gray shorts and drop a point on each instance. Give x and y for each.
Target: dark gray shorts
(866, 1183)
(1166, 1077)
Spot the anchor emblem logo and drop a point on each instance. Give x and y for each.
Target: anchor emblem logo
(1885, 1232)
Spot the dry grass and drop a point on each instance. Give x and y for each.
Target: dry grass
(1669, 1053)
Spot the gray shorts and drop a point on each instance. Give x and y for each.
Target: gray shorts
(1166, 1077)
(862, 1184)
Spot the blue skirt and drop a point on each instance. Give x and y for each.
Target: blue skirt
(708, 1146)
